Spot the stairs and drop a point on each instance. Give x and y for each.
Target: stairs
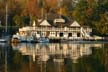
(84, 34)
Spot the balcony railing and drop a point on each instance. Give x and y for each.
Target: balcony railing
(56, 29)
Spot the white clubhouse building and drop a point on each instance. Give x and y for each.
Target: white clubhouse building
(72, 31)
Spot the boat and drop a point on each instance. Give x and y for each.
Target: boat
(43, 40)
(3, 40)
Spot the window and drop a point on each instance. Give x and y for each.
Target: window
(70, 35)
(61, 34)
(78, 34)
(38, 32)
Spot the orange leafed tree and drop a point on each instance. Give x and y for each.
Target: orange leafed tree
(51, 3)
(31, 8)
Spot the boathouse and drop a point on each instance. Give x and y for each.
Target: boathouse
(57, 28)
(66, 31)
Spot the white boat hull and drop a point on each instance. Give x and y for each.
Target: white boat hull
(43, 40)
(3, 40)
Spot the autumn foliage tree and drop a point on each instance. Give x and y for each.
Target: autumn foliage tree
(30, 8)
(93, 13)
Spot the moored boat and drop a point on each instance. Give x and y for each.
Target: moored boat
(43, 40)
(3, 40)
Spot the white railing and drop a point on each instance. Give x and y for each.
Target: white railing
(56, 29)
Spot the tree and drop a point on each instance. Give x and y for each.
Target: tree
(79, 13)
(30, 8)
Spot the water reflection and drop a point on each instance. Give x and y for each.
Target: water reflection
(55, 51)
(4, 55)
(53, 57)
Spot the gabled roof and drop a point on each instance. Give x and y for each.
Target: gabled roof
(45, 23)
(75, 24)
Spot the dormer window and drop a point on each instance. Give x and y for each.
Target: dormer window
(60, 20)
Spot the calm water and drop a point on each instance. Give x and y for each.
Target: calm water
(54, 57)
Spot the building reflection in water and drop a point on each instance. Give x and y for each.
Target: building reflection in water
(52, 57)
(3, 57)
(56, 51)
